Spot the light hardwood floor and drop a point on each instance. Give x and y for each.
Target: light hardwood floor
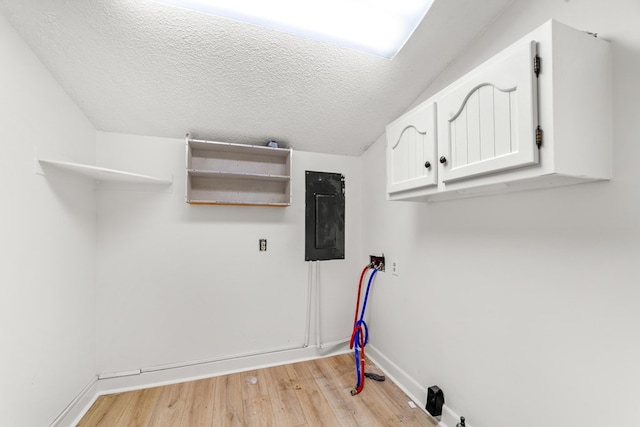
(313, 393)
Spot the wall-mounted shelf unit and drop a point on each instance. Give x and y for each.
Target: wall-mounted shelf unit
(223, 173)
(102, 174)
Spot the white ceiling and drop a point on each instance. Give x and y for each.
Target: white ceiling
(140, 67)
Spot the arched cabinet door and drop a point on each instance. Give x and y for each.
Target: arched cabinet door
(411, 150)
(487, 121)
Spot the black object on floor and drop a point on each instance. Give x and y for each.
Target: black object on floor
(435, 400)
(374, 377)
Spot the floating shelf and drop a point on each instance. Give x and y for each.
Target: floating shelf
(104, 174)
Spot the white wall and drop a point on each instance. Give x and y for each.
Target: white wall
(523, 308)
(47, 231)
(182, 283)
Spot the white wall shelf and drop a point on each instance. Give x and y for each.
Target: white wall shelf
(223, 173)
(238, 175)
(102, 174)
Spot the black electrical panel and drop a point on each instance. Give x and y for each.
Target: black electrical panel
(324, 222)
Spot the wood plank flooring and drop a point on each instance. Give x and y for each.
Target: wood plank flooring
(313, 393)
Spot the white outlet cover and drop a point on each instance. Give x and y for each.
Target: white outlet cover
(395, 267)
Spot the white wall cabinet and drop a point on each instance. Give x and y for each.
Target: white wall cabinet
(237, 174)
(487, 121)
(536, 115)
(411, 152)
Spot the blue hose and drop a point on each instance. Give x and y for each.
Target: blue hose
(360, 327)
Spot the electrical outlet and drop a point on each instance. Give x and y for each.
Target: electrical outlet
(395, 268)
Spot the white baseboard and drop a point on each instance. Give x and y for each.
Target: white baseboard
(450, 418)
(416, 391)
(179, 372)
(72, 414)
(189, 371)
(175, 373)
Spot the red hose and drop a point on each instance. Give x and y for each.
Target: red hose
(355, 317)
(357, 328)
(361, 382)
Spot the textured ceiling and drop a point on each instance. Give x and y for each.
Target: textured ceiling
(141, 67)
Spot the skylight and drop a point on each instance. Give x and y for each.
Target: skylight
(378, 27)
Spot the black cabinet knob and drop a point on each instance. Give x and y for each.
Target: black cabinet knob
(427, 164)
(443, 160)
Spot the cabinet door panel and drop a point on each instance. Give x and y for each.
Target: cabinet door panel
(411, 143)
(487, 122)
(487, 130)
(473, 128)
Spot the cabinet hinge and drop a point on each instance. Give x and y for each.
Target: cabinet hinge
(536, 65)
(538, 136)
